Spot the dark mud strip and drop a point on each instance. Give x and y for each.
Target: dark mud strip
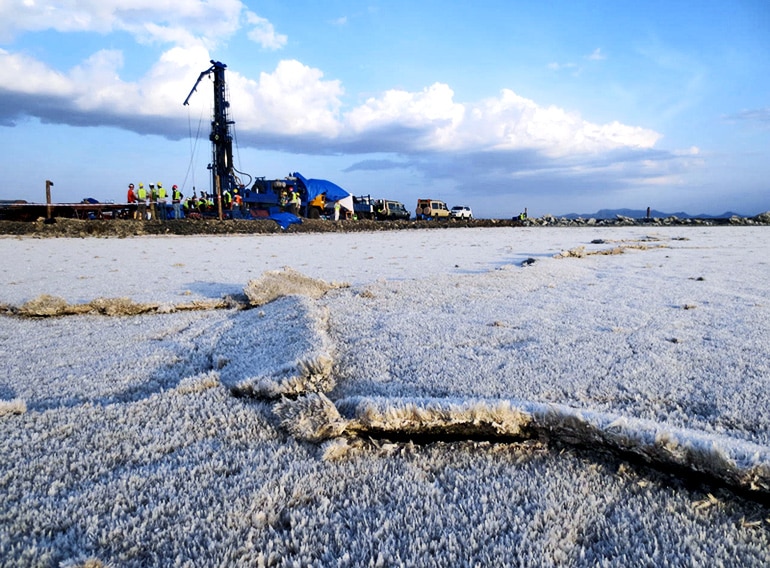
(690, 456)
(52, 306)
(670, 474)
(666, 474)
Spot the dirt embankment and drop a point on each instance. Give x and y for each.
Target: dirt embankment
(62, 227)
(126, 228)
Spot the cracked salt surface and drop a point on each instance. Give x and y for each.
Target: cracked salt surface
(607, 334)
(131, 449)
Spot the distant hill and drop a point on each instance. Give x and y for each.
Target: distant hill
(642, 213)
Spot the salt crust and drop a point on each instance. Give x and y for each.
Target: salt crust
(208, 477)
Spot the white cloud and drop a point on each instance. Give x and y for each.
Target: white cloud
(560, 132)
(95, 87)
(293, 100)
(597, 55)
(264, 33)
(162, 91)
(431, 110)
(96, 83)
(507, 122)
(148, 20)
(39, 78)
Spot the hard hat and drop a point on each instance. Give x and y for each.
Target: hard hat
(174, 186)
(152, 185)
(235, 190)
(141, 185)
(159, 184)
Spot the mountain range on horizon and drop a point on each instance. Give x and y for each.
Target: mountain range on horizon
(642, 214)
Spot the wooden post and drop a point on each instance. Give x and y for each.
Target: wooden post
(219, 199)
(48, 206)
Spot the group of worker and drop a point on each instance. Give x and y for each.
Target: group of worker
(153, 204)
(290, 200)
(206, 203)
(232, 200)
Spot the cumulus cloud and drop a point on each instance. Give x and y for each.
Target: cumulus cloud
(148, 20)
(293, 100)
(506, 122)
(295, 107)
(93, 91)
(296, 100)
(263, 32)
(40, 79)
(435, 122)
(430, 115)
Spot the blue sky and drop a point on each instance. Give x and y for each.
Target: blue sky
(558, 106)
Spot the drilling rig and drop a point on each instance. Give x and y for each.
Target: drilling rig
(221, 166)
(264, 197)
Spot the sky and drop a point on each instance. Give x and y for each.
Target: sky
(558, 107)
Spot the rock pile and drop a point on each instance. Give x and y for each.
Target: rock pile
(622, 220)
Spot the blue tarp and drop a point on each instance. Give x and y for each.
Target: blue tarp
(285, 219)
(315, 187)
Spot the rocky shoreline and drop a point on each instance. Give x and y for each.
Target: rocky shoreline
(621, 220)
(61, 227)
